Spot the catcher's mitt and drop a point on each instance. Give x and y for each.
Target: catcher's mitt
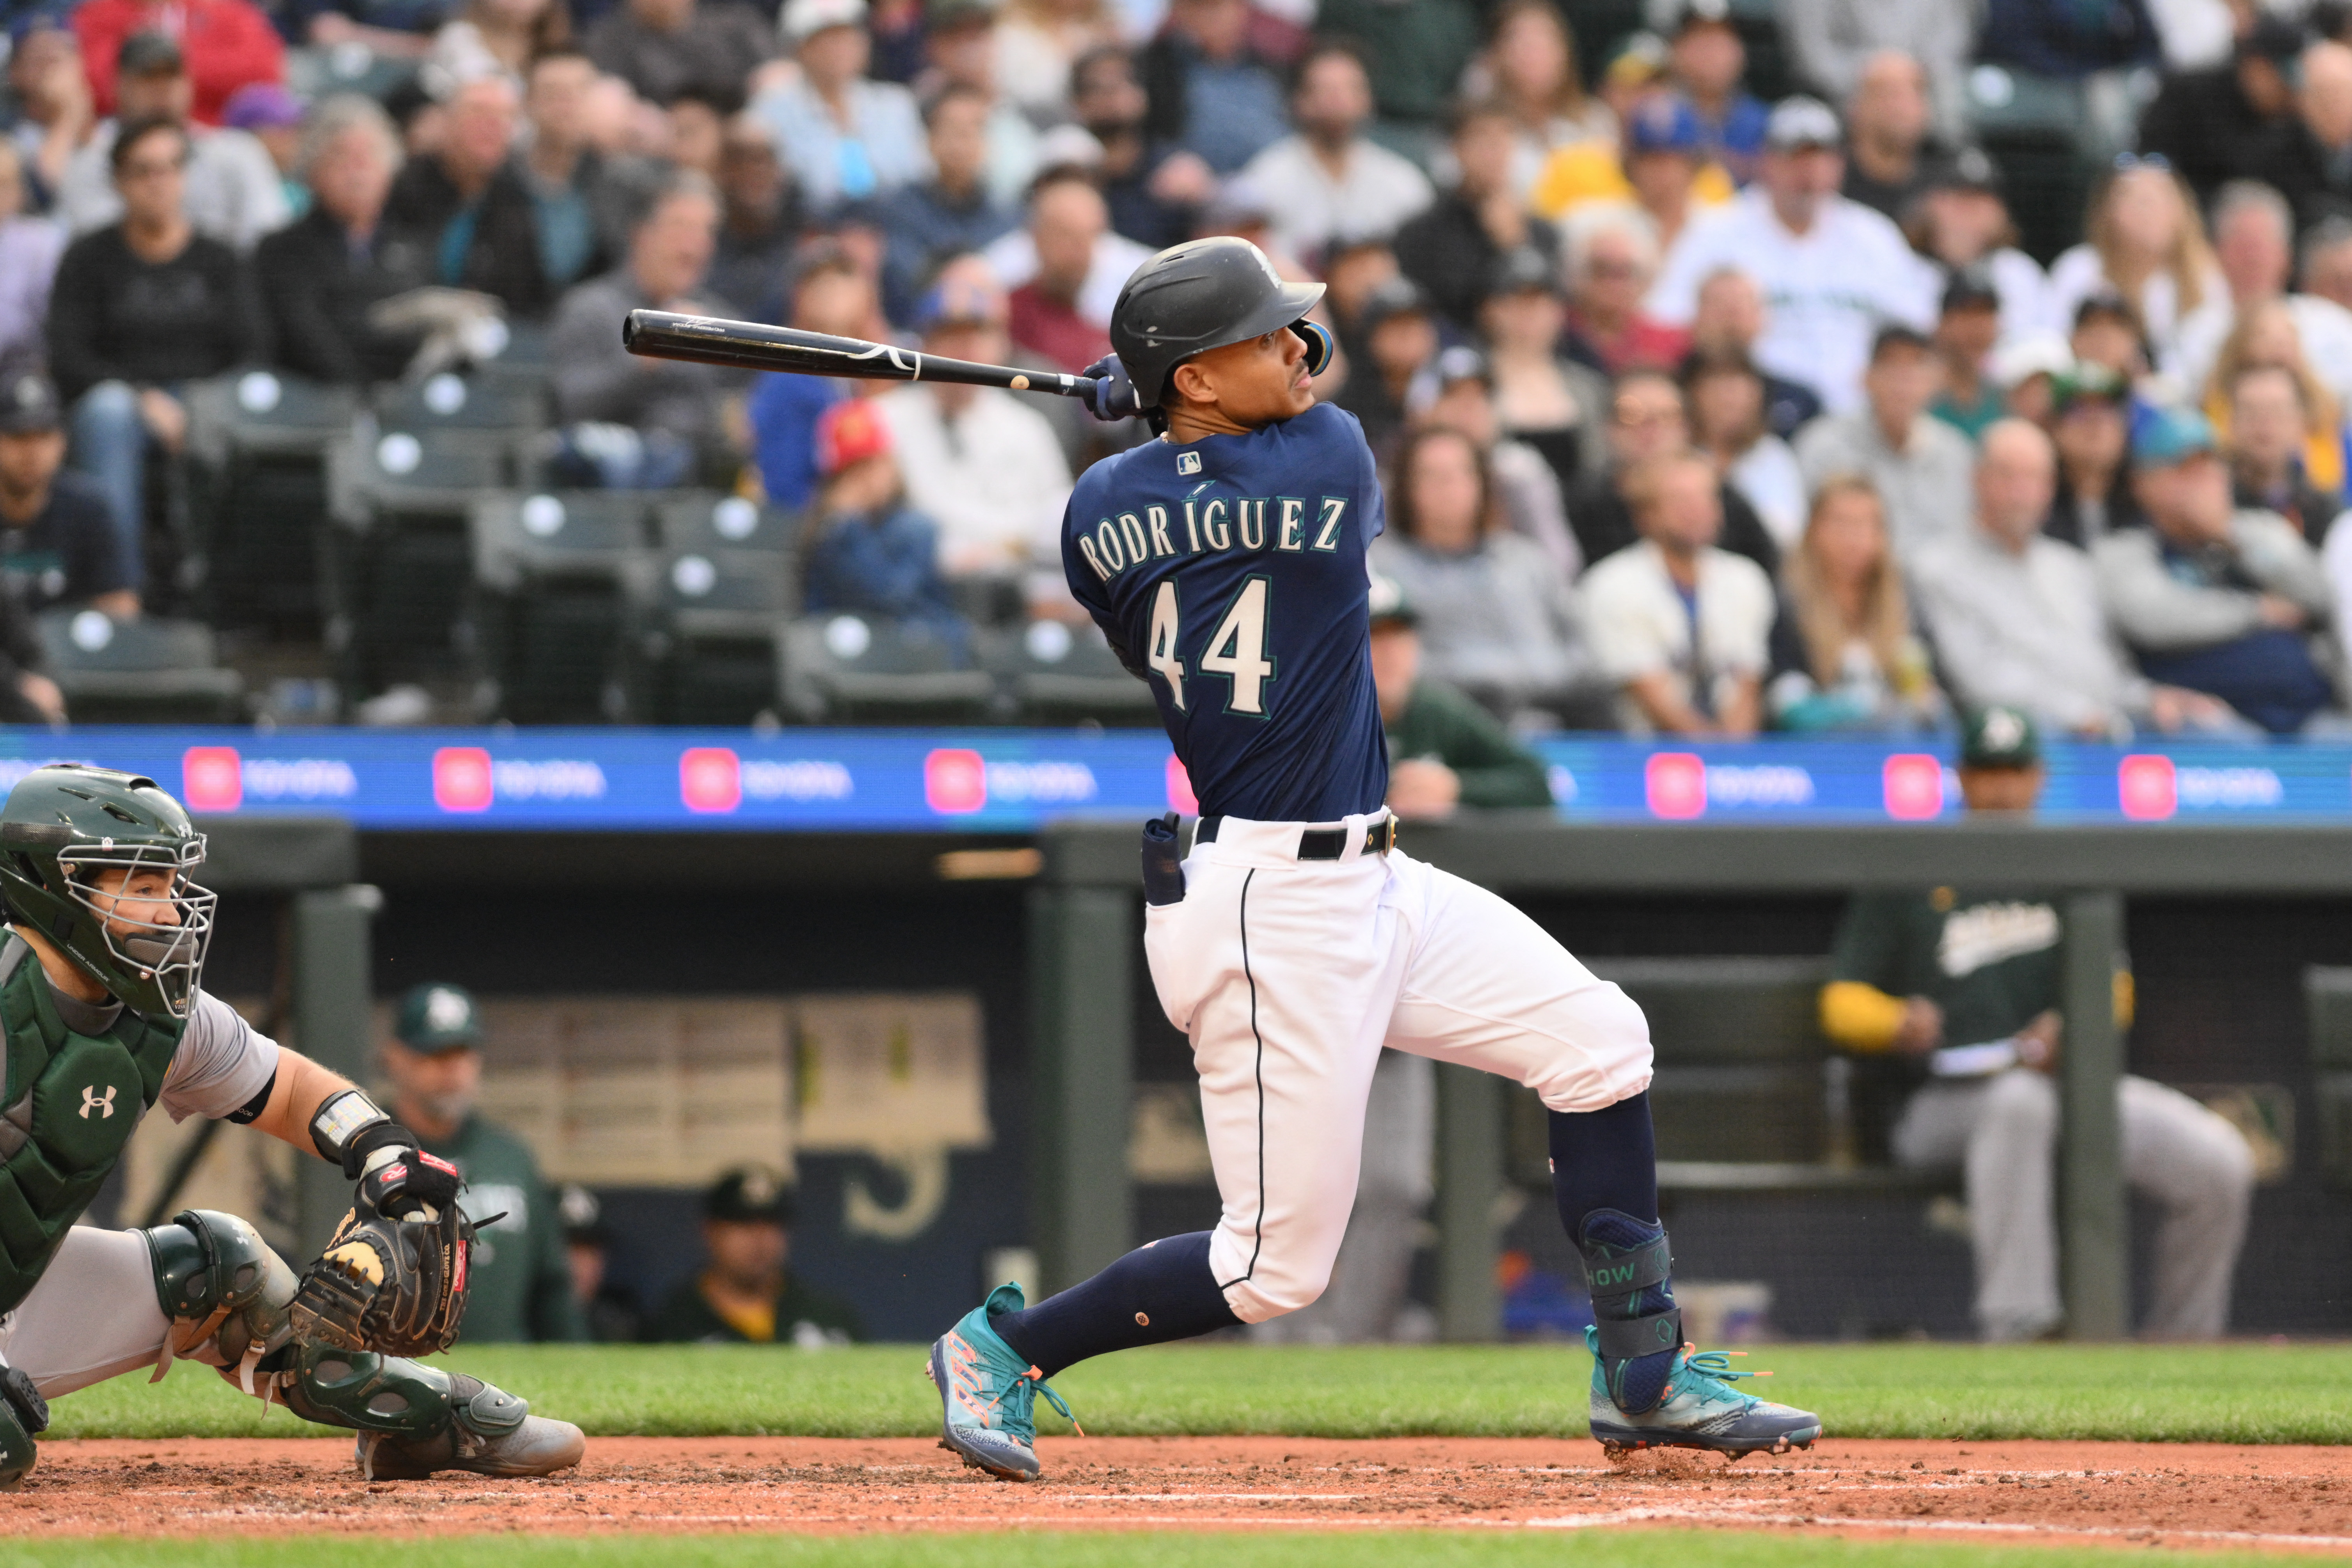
(390, 1282)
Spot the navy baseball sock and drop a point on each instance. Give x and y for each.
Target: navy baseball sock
(1160, 1291)
(1604, 1177)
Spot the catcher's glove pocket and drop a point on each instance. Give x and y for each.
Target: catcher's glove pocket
(393, 1285)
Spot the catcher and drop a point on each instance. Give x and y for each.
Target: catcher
(102, 1019)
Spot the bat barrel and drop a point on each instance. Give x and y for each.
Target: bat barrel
(754, 345)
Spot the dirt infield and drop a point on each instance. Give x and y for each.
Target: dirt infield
(2174, 1493)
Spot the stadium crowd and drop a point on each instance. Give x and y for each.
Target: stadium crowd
(1701, 414)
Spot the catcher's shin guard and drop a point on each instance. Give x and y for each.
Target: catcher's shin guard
(414, 1420)
(226, 1293)
(23, 1416)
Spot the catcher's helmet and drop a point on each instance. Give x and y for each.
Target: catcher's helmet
(1199, 296)
(65, 823)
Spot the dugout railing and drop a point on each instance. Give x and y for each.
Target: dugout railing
(1086, 953)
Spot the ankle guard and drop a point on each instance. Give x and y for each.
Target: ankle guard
(23, 1415)
(364, 1392)
(1617, 1276)
(226, 1293)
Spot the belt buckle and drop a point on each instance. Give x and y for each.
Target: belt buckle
(1381, 837)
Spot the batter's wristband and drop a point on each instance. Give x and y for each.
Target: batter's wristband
(345, 1127)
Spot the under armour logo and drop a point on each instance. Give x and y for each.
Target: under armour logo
(92, 1101)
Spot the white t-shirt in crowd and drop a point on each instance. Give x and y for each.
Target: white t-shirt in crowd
(1308, 209)
(2078, 274)
(1826, 291)
(1013, 258)
(995, 479)
(1638, 623)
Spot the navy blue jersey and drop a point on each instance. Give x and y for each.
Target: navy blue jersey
(1231, 574)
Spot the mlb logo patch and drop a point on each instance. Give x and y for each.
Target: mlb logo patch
(1188, 462)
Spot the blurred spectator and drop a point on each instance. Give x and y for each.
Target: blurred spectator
(1444, 750)
(1330, 179)
(1052, 315)
(2314, 167)
(141, 308)
(49, 92)
(2146, 243)
(1647, 420)
(1210, 92)
(1353, 272)
(1914, 972)
(1463, 398)
(499, 37)
(1531, 74)
(895, 28)
(1886, 160)
(2213, 599)
(1636, 68)
(1725, 392)
(1660, 166)
(664, 47)
(59, 545)
(1612, 259)
(831, 295)
(1833, 41)
(1452, 249)
(233, 191)
(2015, 615)
(671, 405)
(1497, 622)
(1398, 338)
(1707, 65)
(273, 116)
(1835, 269)
(225, 44)
(1730, 320)
(2265, 335)
(865, 548)
(1039, 42)
(697, 129)
(582, 206)
(847, 136)
(1844, 656)
(1154, 189)
(2229, 121)
(1958, 219)
(2326, 260)
(1542, 397)
(2023, 368)
(759, 221)
(946, 214)
(2270, 421)
(981, 461)
(1919, 465)
(30, 248)
(2090, 423)
(748, 1292)
(1416, 51)
(961, 40)
(1966, 332)
(1679, 626)
(468, 207)
(609, 1308)
(319, 278)
(2096, 42)
(2107, 331)
(2253, 233)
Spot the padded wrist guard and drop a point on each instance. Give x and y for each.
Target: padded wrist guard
(347, 1127)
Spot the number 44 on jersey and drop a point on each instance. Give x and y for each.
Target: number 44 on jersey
(1236, 649)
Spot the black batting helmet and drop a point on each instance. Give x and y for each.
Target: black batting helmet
(1199, 296)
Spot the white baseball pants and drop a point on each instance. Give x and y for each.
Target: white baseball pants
(1290, 975)
(93, 1314)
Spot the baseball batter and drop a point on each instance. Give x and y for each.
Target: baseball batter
(1226, 563)
(103, 1020)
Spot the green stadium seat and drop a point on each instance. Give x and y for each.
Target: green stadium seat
(143, 671)
(1057, 674)
(708, 626)
(448, 401)
(551, 572)
(257, 444)
(707, 521)
(846, 668)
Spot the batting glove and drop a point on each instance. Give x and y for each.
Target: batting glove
(1106, 391)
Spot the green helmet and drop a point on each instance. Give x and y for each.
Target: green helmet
(66, 824)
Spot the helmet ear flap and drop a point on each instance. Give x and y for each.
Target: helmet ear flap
(1321, 347)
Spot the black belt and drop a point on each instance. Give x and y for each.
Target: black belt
(1321, 843)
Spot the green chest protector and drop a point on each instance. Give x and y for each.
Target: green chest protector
(66, 1114)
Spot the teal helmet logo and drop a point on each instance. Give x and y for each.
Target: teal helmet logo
(71, 838)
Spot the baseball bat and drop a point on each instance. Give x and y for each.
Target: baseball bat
(750, 345)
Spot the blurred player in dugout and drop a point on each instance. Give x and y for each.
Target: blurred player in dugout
(747, 1293)
(522, 1284)
(1957, 989)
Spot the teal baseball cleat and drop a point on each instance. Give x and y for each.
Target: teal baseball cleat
(1700, 1409)
(987, 1394)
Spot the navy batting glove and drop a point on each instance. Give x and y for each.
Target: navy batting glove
(1106, 391)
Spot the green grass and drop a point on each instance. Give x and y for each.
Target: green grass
(1531, 1549)
(2235, 1393)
